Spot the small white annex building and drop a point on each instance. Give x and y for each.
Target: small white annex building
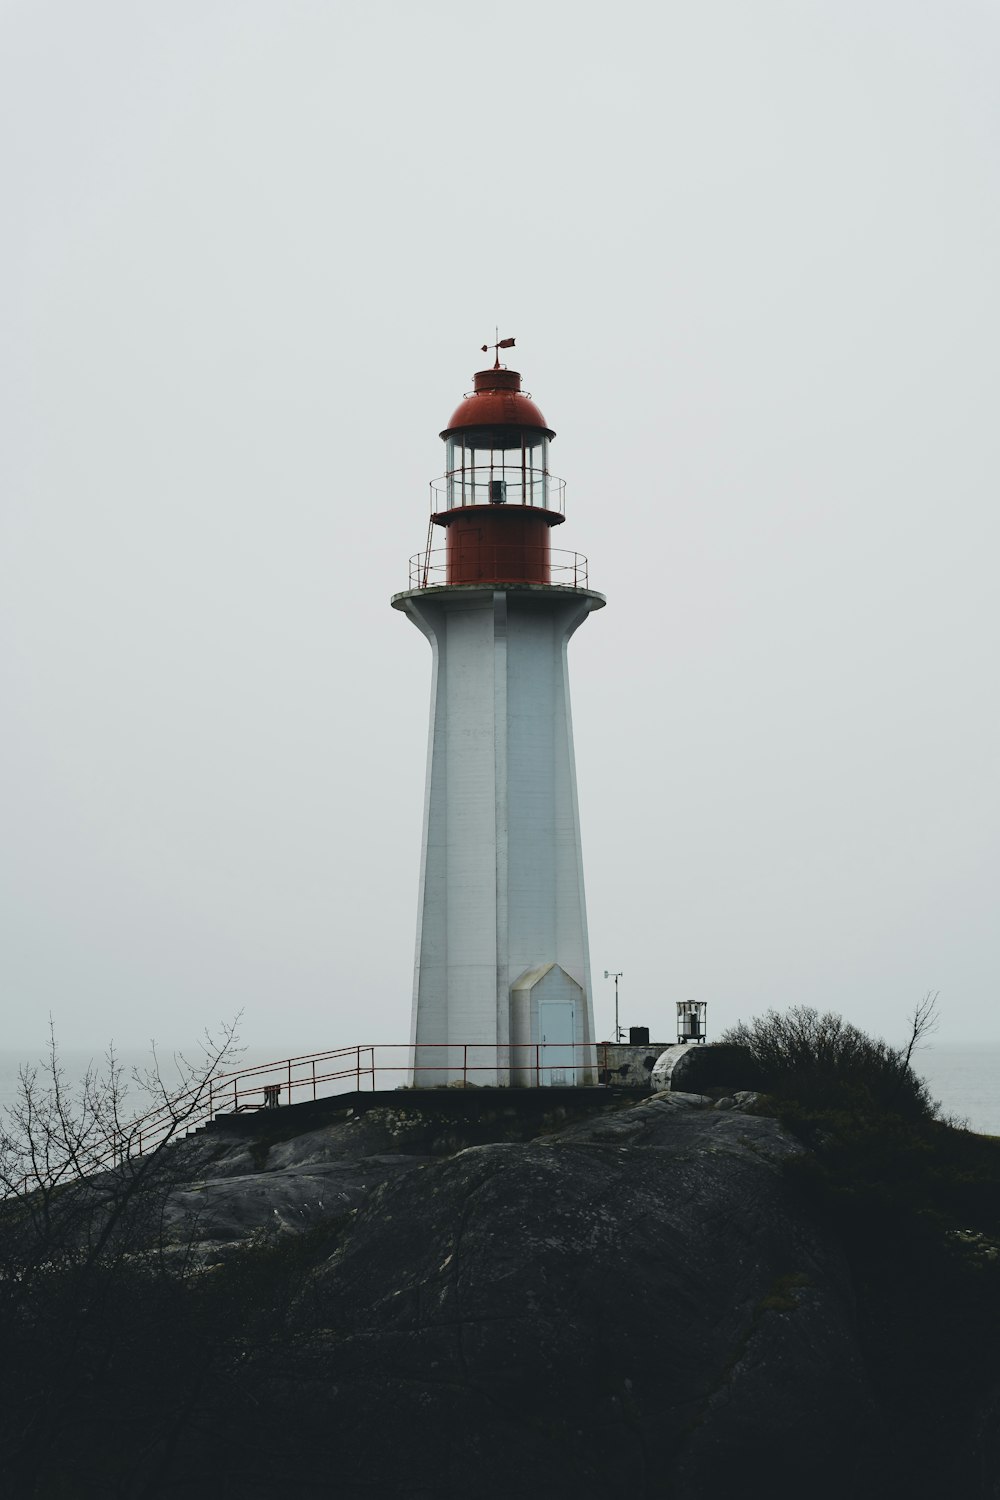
(548, 1008)
(502, 988)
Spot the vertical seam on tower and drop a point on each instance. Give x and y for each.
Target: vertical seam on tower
(501, 812)
(571, 624)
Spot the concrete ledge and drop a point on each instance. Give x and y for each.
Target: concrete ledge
(453, 1103)
(487, 590)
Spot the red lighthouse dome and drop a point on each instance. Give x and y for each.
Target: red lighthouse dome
(497, 401)
(497, 498)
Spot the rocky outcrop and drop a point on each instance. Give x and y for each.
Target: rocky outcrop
(562, 1292)
(626, 1305)
(635, 1286)
(289, 1170)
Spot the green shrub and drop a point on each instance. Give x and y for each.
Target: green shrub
(914, 1204)
(822, 1062)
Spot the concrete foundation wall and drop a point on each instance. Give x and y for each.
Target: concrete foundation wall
(631, 1067)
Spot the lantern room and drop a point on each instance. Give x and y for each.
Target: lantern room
(497, 447)
(497, 499)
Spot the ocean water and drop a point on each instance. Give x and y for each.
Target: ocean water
(965, 1080)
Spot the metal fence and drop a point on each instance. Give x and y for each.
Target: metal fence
(380, 1066)
(343, 1070)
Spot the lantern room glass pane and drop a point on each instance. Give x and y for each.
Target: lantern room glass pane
(497, 466)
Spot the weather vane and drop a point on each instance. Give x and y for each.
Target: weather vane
(500, 344)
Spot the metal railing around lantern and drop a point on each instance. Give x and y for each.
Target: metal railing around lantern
(499, 563)
(498, 484)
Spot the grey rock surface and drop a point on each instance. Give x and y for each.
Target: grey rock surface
(520, 1315)
(571, 1293)
(231, 1191)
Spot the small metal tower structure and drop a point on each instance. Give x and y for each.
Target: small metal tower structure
(691, 1025)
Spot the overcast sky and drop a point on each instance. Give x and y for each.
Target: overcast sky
(249, 251)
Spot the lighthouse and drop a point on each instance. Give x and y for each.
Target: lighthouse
(502, 990)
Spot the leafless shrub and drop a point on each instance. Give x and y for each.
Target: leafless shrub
(823, 1061)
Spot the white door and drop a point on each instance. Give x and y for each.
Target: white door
(557, 1032)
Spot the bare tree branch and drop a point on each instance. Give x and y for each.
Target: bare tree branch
(923, 1023)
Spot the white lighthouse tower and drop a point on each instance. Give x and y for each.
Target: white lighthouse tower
(502, 990)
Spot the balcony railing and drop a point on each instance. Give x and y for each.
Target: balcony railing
(499, 484)
(497, 563)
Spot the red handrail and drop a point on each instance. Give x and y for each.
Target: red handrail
(341, 1069)
(318, 1074)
